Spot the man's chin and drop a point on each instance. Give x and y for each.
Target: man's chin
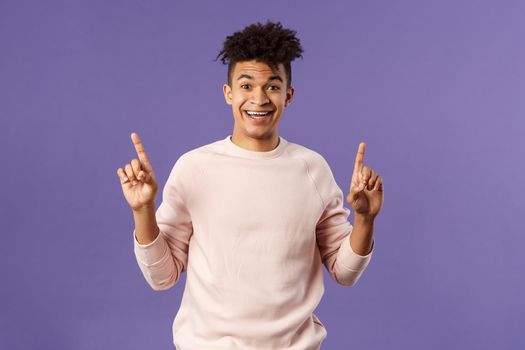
(260, 135)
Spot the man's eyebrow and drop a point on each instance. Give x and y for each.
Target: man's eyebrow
(244, 76)
(273, 77)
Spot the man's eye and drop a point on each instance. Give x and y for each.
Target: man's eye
(245, 86)
(273, 87)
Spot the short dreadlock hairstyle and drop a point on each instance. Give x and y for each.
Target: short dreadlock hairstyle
(269, 43)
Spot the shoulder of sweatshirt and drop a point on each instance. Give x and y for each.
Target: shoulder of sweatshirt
(185, 171)
(315, 162)
(318, 170)
(193, 160)
(297, 150)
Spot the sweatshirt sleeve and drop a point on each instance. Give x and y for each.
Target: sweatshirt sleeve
(163, 260)
(333, 230)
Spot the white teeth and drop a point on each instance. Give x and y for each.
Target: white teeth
(257, 113)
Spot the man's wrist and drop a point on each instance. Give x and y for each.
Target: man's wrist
(363, 220)
(361, 239)
(147, 208)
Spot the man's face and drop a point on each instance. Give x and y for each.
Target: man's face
(258, 96)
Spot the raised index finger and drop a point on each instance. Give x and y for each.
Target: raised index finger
(141, 152)
(359, 159)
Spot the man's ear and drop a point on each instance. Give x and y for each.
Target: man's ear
(227, 93)
(289, 94)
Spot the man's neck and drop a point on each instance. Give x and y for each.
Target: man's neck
(257, 145)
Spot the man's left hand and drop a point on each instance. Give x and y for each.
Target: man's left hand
(366, 188)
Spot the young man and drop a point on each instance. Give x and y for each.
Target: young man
(251, 218)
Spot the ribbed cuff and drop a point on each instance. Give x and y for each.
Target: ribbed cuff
(151, 253)
(349, 259)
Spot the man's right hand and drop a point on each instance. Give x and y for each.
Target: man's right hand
(138, 180)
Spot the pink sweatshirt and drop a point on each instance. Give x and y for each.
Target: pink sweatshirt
(252, 230)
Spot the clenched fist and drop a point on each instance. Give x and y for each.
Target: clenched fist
(138, 180)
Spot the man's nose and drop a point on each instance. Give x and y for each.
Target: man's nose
(259, 97)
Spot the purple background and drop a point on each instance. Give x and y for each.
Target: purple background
(436, 90)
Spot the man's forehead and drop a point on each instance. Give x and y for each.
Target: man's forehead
(256, 68)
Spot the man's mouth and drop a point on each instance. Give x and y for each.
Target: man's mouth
(259, 115)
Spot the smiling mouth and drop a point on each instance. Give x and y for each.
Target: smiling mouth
(258, 115)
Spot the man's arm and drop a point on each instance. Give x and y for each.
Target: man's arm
(161, 255)
(334, 231)
(162, 237)
(366, 198)
(146, 229)
(362, 236)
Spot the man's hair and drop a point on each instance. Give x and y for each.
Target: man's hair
(269, 43)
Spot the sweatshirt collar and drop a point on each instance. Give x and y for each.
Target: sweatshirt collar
(243, 152)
